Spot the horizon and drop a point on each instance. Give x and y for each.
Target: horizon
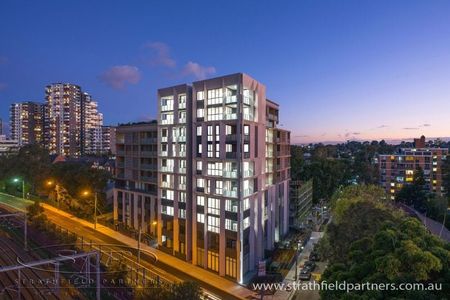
(384, 78)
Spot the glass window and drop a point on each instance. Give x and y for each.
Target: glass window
(200, 218)
(200, 95)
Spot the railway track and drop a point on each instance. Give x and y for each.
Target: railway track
(30, 284)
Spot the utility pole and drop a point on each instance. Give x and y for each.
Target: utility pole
(139, 245)
(95, 211)
(23, 189)
(25, 242)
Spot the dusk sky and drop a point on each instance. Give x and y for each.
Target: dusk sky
(339, 69)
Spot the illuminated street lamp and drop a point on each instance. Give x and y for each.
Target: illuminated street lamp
(87, 193)
(16, 180)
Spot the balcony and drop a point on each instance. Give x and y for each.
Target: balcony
(182, 186)
(166, 184)
(148, 179)
(182, 105)
(182, 170)
(231, 99)
(230, 174)
(231, 155)
(249, 173)
(180, 138)
(248, 192)
(163, 153)
(247, 100)
(230, 116)
(269, 153)
(230, 138)
(167, 169)
(149, 153)
(149, 167)
(232, 193)
(167, 108)
(248, 117)
(182, 120)
(164, 139)
(149, 141)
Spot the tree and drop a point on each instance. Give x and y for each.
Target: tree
(369, 240)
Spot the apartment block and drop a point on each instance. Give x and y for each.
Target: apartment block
(135, 188)
(300, 202)
(91, 124)
(26, 122)
(398, 169)
(223, 174)
(109, 140)
(72, 122)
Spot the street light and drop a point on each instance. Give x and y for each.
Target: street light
(23, 185)
(86, 193)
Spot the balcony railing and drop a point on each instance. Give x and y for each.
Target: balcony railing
(148, 179)
(149, 141)
(166, 184)
(182, 105)
(249, 173)
(230, 116)
(149, 153)
(182, 170)
(163, 153)
(232, 193)
(248, 192)
(248, 117)
(230, 174)
(164, 139)
(168, 169)
(151, 167)
(231, 99)
(167, 108)
(182, 186)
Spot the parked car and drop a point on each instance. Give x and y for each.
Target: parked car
(304, 275)
(309, 265)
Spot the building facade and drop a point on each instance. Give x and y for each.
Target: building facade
(91, 124)
(26, 122)
(398, 169)
(109, 140)
(135, 188)
(223, 174)
(72, 123)
(300, 202)
(8, 146)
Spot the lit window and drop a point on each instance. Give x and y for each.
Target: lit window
(246, 223)
(201, 200)
(199, 130)
(201, 218)
(200, 95)
(214, 224)
(230, 225)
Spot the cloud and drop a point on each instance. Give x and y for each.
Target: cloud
(197, 70)
(382, 126)
(3, 86)
(425, 125)
(410, 128)
(118, 77)
(161, 55)
(352, 133)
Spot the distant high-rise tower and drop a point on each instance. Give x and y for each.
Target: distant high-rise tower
(72, 123)
(92, 122)
(26, 122)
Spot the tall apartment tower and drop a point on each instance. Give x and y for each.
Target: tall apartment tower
(223, 171)
(62, 125)
(26, 122)
(92, 122)
(72, 123)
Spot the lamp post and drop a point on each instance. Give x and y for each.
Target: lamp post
(23, 186)
(86, 193)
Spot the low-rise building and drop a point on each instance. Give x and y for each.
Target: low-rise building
(300, 202)
(7, 146)
(398, 169)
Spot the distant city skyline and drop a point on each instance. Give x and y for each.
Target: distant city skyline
(342, 70)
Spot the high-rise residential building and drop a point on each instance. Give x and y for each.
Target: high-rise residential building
(398, 169)
(135, 188)
(26, 122)
(8, 146)
(62, 125)
(91, 121)
(72, 123)
(223, 174)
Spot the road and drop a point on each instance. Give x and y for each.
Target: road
(168, 266)
(433, 226)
